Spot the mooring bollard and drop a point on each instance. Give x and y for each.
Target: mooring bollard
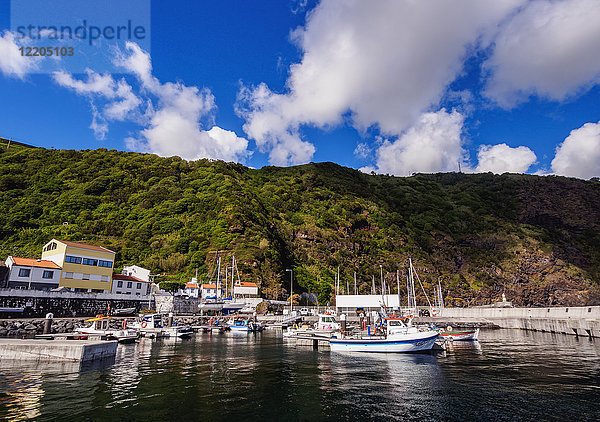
(170, 319)
(48, 323)
(343, 322)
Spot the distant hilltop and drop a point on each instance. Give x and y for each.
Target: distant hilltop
(535, 239)
(9, 142)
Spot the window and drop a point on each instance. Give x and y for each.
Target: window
(50, 247)
(24, 272)
(107, 264)
(48, 274)
(139, 286)
(129, 284)
(138, 294)
(118, 293)
(68, 275)
(85, 276)
(73, 259)
(103, 278)
(89, 261)
(120, 283)
(97, 290)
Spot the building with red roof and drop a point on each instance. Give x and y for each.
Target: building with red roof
(29, 273)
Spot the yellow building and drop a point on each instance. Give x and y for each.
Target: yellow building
(85, 268)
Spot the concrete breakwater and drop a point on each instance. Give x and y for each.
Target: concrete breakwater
(580, 321)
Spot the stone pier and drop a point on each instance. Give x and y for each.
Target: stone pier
(56, 350)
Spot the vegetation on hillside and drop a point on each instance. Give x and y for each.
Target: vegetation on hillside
(535, 238)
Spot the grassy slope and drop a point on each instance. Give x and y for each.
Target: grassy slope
(535, 238)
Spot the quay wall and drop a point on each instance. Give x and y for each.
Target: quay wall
(36, 303)
(582, 321)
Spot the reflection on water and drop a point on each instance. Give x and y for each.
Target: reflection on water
(508, 375)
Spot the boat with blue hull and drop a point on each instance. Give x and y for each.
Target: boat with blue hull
(400, 337)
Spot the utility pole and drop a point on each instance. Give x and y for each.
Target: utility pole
(291, 289)
(355, 292)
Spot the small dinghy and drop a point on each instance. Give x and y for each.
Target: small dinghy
(460, 335)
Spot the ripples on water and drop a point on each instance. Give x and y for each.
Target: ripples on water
(508, 375)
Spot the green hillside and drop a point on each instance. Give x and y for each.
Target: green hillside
(535, 238)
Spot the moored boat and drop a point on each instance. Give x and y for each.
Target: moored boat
(460, 335)
(400, 337)
(325, 327)
(100, 326)
(243, 325)
(152, 325)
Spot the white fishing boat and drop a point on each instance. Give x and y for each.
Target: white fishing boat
(239, 324)
(400, 337)
(325, 327)
(151, 325)
(460, 335)
(100, 326)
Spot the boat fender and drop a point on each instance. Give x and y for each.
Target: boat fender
(144, 324)
(449, 328)
(124, 325)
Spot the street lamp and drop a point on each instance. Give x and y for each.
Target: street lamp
(291, 291)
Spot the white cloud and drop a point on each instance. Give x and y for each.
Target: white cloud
(95, 83)
(12, 63)
(550, 49)
(385, 62)
(362, 150)
(173, 115)
(579, 154)
(502, 159)
(433, 144)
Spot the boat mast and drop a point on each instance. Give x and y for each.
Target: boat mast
(398, 283)
(218, 276)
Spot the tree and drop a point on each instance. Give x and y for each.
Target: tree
(171, 286)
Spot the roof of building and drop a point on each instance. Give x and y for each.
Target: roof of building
(127, 278)
(209, 286)
(247, 284)
(191, 285)
(84, 246)
(30, 262)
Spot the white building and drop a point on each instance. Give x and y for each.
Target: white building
(28, 273)
(208, 290)
(245, 289)
(129, 285)
(192, 289)
(138, 272)
(349, 303)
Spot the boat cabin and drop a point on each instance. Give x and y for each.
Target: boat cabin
(327, 322)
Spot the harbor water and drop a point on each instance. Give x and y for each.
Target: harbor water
(507, 375)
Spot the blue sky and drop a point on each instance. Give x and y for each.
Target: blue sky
(392, 87)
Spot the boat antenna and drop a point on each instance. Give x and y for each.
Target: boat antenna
(398, 283)
(422, 288)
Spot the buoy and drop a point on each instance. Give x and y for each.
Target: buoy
(144, 324)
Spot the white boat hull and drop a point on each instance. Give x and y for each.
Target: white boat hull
(411, 343)
(466, 336)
